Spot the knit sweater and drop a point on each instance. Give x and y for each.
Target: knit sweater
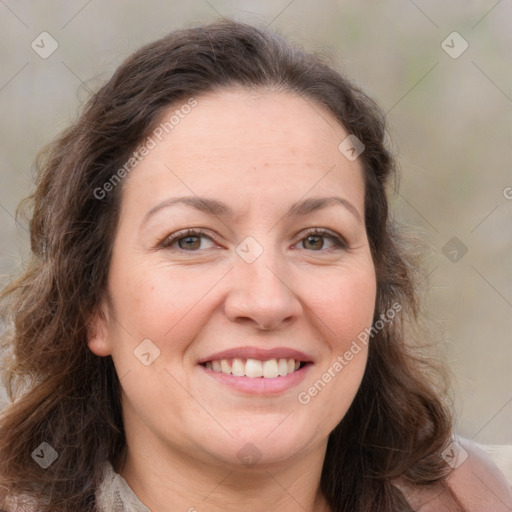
(115, 495)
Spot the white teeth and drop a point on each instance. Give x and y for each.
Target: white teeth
(283, 367)
(225, 366)
(254, 368)
(238, 368)
(270, 369)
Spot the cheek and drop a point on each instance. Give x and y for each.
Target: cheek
(345, 309)
(152, 300)
(154, 319)
(168, 306)
(345, 305)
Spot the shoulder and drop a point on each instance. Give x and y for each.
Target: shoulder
(476, 480)
(473, 484)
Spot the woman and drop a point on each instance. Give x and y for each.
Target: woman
(214, 315)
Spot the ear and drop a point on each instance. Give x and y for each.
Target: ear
(98, 338)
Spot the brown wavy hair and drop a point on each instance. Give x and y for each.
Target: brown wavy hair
(64, 395)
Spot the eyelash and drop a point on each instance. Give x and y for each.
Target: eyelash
(339, 242)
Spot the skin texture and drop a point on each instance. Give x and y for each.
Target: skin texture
(259, 152)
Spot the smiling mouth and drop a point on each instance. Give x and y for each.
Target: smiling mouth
(255, 368)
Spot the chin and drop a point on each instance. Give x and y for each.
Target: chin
(258, 447)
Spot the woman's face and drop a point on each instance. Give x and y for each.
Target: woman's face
(194, 320)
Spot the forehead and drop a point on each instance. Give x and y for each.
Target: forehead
(257, 142)
(242, 119)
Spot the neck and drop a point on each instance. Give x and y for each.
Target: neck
(165, 478)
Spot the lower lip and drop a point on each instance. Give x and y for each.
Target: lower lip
(260, 385)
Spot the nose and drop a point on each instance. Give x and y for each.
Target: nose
(262, 293)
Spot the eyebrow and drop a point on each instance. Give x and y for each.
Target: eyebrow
(217, 208)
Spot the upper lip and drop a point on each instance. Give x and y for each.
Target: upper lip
(258, 353)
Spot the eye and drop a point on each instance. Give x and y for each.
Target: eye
(314, 238)
(188, 240)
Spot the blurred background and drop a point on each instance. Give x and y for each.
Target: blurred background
(442, 72)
